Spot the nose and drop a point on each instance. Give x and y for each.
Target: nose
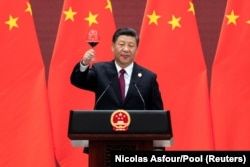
(126, 48)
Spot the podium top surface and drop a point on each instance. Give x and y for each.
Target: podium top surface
(147, 122)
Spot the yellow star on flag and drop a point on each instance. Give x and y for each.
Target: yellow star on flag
(12, 22)
(232, 18)
(69, 14)
(153, 18)
(28, 9)
(191, 8)
(91, 19)
(175, 22)
(248, 21)
(109, 6)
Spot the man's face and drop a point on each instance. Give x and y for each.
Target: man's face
(124, 50)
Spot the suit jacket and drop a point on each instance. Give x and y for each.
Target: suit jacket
(102, 79)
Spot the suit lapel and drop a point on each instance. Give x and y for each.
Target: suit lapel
(135, 79)
(112, 74)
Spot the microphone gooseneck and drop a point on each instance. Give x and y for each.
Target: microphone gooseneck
(100, 97)
(142, 99)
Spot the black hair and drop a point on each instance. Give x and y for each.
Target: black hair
(125, 31)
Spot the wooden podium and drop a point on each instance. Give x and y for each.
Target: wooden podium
(97, 131)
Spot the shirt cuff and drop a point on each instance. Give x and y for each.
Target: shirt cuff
(83, 67)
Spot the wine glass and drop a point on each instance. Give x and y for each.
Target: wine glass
(93, 39)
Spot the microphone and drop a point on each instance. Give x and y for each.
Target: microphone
(142, 99)
(99, 98)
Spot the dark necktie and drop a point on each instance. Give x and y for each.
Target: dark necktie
(122, 83)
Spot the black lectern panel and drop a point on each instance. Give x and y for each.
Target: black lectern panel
(98, 122)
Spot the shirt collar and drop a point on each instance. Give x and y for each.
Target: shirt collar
(128, 69)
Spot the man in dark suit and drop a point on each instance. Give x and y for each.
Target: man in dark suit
(141, 87)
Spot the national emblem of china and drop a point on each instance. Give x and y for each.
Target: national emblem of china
(120, 120)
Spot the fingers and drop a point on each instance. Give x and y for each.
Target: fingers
(88, 56)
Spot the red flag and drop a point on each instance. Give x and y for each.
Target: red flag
(25, 130)
(230, 83)
(77, 19)
(170, 46)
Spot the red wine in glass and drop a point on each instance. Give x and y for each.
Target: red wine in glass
(92, 44)
(93, 38)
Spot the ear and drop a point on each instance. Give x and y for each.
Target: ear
(112, 47)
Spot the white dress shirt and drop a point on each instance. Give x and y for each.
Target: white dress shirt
(127, 75)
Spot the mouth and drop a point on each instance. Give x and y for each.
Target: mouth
(125, 56)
